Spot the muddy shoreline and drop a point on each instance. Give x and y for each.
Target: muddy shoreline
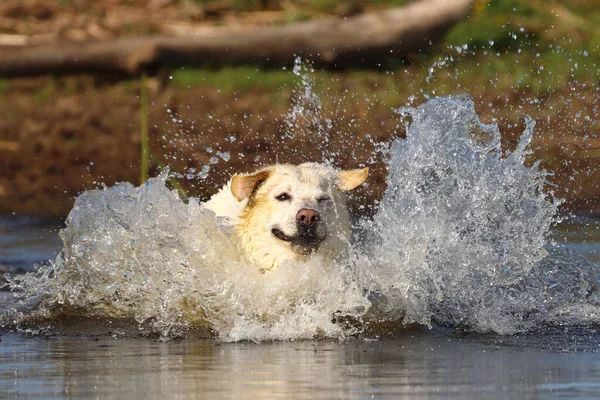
(62, 136)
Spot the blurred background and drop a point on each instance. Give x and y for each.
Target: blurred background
(62, 133)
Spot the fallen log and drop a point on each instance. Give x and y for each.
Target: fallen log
(365, 39)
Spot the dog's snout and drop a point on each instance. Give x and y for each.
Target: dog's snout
(307, 216)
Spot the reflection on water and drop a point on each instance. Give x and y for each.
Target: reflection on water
(25, 241)
(580, 234)
(420, 365)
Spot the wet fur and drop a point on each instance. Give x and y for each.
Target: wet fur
(249, 202)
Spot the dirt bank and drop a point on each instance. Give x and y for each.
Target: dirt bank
(59, 137)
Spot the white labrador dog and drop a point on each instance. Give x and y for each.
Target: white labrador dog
(287, 212)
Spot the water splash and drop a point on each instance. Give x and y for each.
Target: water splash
(460, 239)
(462, 230)
(143, 254)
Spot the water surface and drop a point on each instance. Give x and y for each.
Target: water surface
(427, 364)
(561, 362)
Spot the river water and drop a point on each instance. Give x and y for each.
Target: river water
(465, 283)
(426, 364)
(558, 362)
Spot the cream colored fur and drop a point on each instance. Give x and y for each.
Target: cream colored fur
(270, 199)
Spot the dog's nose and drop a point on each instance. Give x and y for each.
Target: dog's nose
(307, 216)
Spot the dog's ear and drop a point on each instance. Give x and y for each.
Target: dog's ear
(351, 179)
(242, 186)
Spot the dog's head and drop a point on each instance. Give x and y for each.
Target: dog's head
(291, 210)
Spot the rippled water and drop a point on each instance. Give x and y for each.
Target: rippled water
(27, 241)
(419, 364)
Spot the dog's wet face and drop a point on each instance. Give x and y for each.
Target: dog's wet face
(300, 210)
(294, 206)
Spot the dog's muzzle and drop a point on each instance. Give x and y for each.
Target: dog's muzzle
(307, 239)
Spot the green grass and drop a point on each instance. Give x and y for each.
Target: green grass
(44, 93)
(511, 44)
(514, 24)
(4, 85)
(293, 16)
(485, 71)
(233, 79)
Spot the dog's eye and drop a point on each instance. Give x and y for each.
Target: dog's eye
(324, 198)
(283, 197)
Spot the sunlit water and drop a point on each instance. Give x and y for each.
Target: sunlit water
(423, 365)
